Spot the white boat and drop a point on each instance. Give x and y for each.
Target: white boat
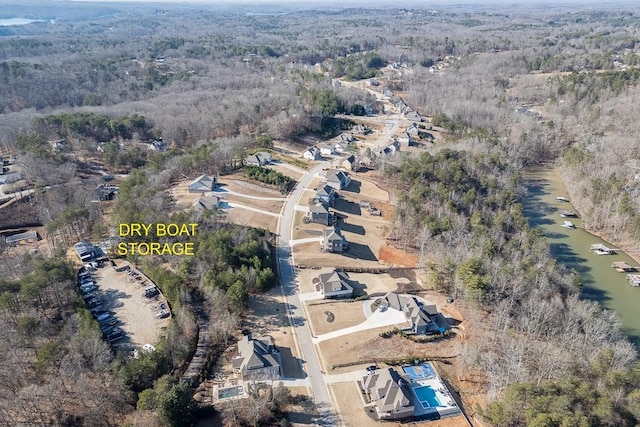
(562, 199)
(568, 224)
(600, 249)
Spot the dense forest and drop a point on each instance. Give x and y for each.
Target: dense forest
(510, 89)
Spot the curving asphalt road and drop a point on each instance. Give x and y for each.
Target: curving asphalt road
(299, 326)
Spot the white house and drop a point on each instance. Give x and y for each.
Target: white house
(312, 153)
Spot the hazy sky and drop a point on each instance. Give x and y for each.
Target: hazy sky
(399, 4)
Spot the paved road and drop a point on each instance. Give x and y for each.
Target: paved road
(300, 328)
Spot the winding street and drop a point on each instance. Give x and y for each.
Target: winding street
(299, 326)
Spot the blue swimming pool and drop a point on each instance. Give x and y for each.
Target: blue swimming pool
(225, 393)
(420, 371)
(427, 397)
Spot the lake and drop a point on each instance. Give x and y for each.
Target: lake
(571, 247)
(17, 21)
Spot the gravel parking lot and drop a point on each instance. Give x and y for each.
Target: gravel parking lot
(121, 291)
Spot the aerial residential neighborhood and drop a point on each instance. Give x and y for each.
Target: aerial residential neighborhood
(302, 213)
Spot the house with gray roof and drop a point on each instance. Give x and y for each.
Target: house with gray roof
(361, 129)
(412, 129)
(326, 195)
(346, 137)
(260, 158)
(349, 163)
(335, 284)
(333, 240)
(258, 360)
(203, 183)
(337, 179)
(326, 149)
(319, 214)
(389, 392)
(421, 317)
(312, 153)
(207, 203)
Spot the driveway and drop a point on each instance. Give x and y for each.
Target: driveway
(377, 319)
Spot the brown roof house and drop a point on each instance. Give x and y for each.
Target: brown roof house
(259, 359)
(333, 240)
(389, 393)
(421, 317)
(335, 284)
(203, 183)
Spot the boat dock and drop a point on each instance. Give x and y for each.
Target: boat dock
(623, 267)
(600, 249)
(634, 279)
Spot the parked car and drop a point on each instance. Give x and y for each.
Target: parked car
(150, 293)
(90, 286)
(371, 369)
(115, 336)
(162, 314)
(108, 323)
(89, 296)
(103, 316)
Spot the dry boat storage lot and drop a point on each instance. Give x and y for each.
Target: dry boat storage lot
(242, 201)
(122, 294)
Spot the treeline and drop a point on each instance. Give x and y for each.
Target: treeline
(269, 176)
(358, 66)
(461, 210)
(53, 354)
(607, 397)
(97, 127)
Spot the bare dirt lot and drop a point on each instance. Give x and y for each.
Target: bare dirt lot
(329, 317)
(351, 404)
(347, 349)
(244, 202)
(267, 315)
(122, 293)
(373, 284)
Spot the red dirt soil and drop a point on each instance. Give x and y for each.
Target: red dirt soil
(398, 257)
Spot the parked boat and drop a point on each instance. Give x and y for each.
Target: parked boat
(600, 249)
(634, 279)
(568, 224)
(568, 214)
(623, 267)
(562, 199)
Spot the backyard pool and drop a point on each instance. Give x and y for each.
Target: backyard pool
(224, 393)
(427, 397)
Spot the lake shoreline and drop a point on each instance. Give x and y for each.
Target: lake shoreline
(571, 248)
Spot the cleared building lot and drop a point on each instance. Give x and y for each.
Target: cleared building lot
(122, 293)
